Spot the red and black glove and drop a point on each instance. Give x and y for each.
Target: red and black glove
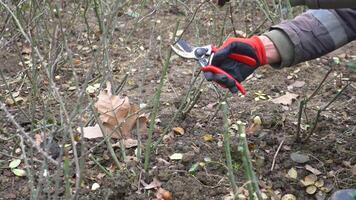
(239, 57)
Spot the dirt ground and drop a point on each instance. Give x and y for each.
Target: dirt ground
(138, 49)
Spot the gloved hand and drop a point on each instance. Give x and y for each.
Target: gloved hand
(249, 53)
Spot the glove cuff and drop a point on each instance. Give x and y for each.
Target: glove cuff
(258, 45)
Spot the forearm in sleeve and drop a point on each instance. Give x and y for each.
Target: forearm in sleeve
(324, 4)
(312, 34)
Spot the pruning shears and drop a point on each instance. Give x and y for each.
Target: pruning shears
(204, 56)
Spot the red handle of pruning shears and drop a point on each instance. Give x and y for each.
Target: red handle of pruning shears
(240, 58)
(216, 70)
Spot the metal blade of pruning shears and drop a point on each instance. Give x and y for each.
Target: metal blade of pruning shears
(203, 55)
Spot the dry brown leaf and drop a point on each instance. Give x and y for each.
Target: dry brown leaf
(168, 139)
(353, 170)
(312, 170)
(26, 50)
(208, 137)
(128, 143)
(296, 84)
(286, 99)
(289, 197)
(178, 130)
(163, 194)
(319, 183)
(292, 173)
(38, 139)
(154, 184)
(309, 180)
(116, 113)
(311, 189)
(91, 132)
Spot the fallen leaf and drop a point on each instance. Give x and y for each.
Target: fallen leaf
(210, 106)
(312, 170)
(292, 173)
(296, 84)
(257, 120)
(19, 172)
(95, 186)
(353, 170)
(129, 143)
(178, 131)
(163, 194)
(77, 61)
(208, 137)
(286, 99)
(154, 184)
(26, 50)
(168, 139)
(299, 157)
(319, 183)
(309, 180)
(176, 156)
(100, 176)
(311, 189)
(116, 112)
(91, 132)
(15, 163)
(38, 139)
(289, 197)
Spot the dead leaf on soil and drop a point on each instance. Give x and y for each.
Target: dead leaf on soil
(309, 180)
(311, 189)
(38, 139)
(319, 183)
(128, 143)
(296, 84)
(208, 137)
(292, 173)
(163, 194)
(168, 139)
(154, 184)
(178, 130)
(176, 156)
(26, 50)
(312, 170)
(289, 197)
(286, 99)
(353, 170)
(91, 132)
(117, 115)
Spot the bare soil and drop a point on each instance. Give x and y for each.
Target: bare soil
(331, 148)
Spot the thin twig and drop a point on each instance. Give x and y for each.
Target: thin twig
(275, 155)
(26, 135)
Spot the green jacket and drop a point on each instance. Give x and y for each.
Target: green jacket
(315, 32)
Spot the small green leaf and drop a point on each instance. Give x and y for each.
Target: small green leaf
(19, 172)
(194, 168)
(15, 163)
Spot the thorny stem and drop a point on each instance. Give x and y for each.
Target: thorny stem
(246, 159)
(227, 149)
(304, 102)
(156, 105)
(28, 138)
(323, 109)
